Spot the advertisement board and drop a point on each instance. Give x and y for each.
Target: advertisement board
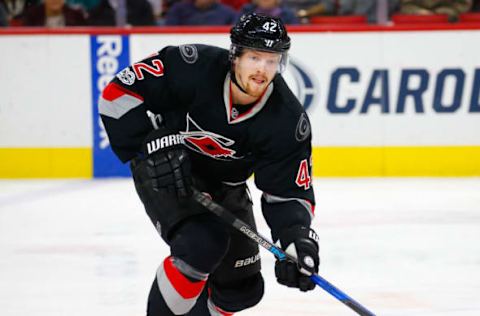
(110, 54)
(399, 103)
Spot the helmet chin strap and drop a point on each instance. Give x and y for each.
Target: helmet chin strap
(233, 77)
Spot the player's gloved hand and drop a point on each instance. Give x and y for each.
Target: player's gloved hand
(301, 243)
(167, 163)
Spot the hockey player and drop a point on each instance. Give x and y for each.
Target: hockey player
(209, 117)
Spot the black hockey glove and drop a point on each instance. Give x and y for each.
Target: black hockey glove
(302, 243)
(167, 163)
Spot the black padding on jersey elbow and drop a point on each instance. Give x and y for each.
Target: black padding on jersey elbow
(280, 216)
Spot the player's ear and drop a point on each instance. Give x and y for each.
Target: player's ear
(235, 61)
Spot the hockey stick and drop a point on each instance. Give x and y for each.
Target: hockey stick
(244, 228)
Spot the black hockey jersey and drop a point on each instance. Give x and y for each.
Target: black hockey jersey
(187, 89)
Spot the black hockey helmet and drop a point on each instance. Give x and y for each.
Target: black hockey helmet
(260, 32)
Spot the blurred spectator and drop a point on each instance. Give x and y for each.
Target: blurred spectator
(139, 13)
(54, 13)
(452, 8)
(476, 6)
(110, 13)
(102, 15)
(200, 12)
(366, 8)
(3, 16)
(157, 8)
(271, 8)
(299, 5)
(85, 4)
(235, 4)
(15, 10)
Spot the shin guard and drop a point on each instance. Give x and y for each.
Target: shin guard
(180, 285)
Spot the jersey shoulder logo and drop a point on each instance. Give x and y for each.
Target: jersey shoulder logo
(126, 76)
(303, 128)
(207, 143)
(189, 53)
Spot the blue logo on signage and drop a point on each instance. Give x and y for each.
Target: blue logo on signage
(414, 85)
(109, 55)
(307, 89)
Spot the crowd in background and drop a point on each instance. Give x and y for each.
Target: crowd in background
(59, 13)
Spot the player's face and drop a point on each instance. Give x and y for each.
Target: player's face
(255, 70)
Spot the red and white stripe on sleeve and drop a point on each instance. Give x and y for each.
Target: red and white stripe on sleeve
(116, 101)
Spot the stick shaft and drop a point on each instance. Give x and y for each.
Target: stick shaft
(248, 231)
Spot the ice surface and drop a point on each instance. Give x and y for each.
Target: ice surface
(398, 246)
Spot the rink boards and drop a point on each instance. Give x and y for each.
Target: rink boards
(400, 103)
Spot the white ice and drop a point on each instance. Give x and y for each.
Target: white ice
(398, 246)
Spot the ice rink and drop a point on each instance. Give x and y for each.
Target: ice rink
(399, 246)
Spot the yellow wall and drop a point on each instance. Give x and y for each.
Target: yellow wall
(327, 162)
(46, 163)
(396, 161)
